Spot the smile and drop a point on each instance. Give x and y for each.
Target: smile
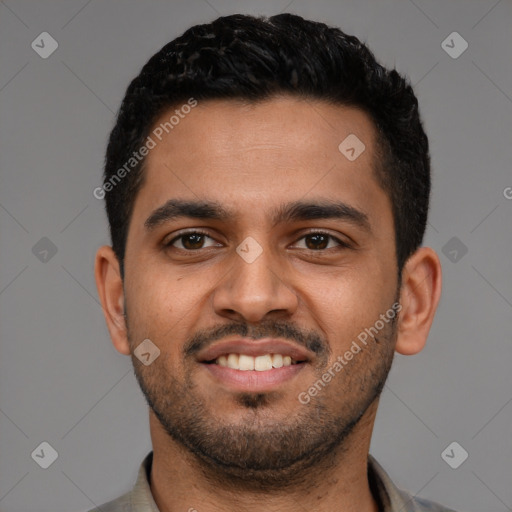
(245, 362)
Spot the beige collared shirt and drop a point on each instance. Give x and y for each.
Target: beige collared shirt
(388, 496)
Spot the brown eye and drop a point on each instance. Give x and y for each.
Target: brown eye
(316, 242)
(321, 241)
(191, 241)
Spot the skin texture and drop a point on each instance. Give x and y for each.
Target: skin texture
(216, 447)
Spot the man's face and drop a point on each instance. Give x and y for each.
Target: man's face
(263, 279)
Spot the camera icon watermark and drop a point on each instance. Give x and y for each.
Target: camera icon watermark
(44, 455)
(249, 250)
(44, 250)
(146, 352)
(454, 249)
(454, 45)
(44, 45)
(351, 147)
(454, 455)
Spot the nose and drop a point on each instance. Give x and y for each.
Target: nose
(253, 290)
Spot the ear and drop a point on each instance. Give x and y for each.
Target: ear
(110, 290)
(419, 297)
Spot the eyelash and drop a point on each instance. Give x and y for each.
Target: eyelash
(169, 244)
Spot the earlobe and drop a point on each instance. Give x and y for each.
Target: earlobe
(111, 293)
(419, 297)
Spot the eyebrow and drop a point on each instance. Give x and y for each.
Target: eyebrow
(321, 209)
(176, 208)
(289, 212)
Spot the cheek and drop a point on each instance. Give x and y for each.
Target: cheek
(161, 292)
(359, 284)
(164, 308)
(351, 302)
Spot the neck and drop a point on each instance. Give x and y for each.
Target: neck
(180, 481)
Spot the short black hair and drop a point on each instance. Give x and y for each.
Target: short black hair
(256, 58)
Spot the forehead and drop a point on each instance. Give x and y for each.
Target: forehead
(252, 155)
(282, 125)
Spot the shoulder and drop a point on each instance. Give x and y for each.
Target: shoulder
(121, 504)
(393, 499)
(139, 498)
(415, 504)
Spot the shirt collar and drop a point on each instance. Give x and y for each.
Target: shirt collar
(389, 498)
(141, 498)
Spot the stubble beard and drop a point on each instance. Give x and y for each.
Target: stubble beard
(259, 453)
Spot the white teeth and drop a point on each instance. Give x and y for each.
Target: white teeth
(232, 361)
(259, 363)
(277, 360)
(246, 362)
(262, 363)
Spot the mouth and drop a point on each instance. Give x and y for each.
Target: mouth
(246, 362)
(254, 366)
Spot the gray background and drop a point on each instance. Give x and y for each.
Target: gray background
(61, 380)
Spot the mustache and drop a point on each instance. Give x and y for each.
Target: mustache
(311, 340)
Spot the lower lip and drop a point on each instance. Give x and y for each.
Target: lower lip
(252, 380)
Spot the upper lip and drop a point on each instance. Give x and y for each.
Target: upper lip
(254, 348)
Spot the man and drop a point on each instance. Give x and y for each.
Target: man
(267, 187)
